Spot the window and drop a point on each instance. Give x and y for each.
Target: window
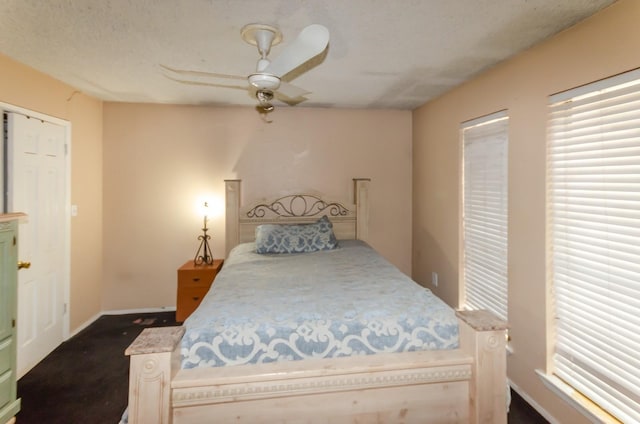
(484, 213)
(594, 256)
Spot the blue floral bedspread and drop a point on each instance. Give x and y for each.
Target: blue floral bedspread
(341, 302)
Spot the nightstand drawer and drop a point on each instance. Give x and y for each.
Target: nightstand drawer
(196, 277)
(190, 298)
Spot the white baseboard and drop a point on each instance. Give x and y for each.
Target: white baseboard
(84, 325)
(535, 405)
(118, 312)
(139, 311)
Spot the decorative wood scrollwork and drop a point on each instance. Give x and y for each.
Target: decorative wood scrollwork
(261, 389)
(150, 366)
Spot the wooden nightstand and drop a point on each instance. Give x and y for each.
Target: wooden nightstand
(194, 282)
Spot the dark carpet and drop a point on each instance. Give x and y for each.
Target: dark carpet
(85, 380)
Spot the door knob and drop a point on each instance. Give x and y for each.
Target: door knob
(22, 264)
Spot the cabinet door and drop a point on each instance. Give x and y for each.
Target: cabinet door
(7, 280)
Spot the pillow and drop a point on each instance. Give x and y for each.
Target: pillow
(295, 238)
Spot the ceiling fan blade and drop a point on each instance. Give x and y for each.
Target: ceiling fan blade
(291, 91)
(196, 76)
(287, 100)
(207, 84)
(310, 42)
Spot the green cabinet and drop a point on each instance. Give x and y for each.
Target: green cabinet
(9, 404)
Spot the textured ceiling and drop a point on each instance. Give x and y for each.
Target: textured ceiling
(382, 54)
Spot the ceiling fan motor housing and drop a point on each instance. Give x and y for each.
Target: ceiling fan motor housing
(264, 81)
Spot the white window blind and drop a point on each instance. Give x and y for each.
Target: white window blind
(484, 219)
(594, 221)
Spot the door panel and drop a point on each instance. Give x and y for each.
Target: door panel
(27, 301)
(37, 187)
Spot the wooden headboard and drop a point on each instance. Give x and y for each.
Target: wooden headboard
(350, 219)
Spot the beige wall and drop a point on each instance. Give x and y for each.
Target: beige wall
(24, 87)
(604, 45)
(159, 159)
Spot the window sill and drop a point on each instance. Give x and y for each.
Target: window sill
(575, 399)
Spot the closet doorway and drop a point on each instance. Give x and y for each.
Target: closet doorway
(36, 181)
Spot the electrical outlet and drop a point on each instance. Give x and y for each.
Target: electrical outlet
(434, 279)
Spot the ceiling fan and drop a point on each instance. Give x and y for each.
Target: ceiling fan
(267, 80)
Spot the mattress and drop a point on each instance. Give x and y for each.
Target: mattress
(341, 302)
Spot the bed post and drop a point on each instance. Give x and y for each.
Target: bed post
(483, 336)
(361, 199)
(232, 209)
(154, 357)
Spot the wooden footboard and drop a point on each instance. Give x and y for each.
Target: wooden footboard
(483, 337)
(154, 361)
(466, 385)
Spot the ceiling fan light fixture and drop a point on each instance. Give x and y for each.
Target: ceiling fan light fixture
(264, 99)
(264, 96)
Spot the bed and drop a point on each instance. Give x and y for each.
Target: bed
(442, 367)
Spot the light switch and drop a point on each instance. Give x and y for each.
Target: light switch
(74, 210)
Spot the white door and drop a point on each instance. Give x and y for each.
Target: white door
(36, 185)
